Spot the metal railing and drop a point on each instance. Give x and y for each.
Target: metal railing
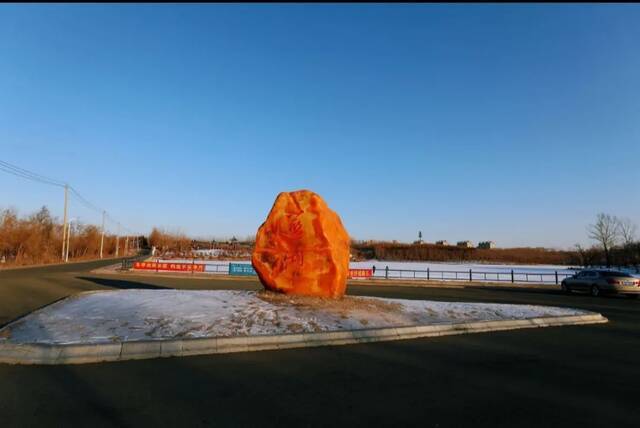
(512, 276)
(219, 268)
(127, 262)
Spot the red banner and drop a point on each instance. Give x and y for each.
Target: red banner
(179, 267)
(360, 273)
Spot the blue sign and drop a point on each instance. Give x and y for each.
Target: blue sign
(241, 269)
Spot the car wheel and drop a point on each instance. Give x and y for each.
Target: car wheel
(595, 291)
(565, 288)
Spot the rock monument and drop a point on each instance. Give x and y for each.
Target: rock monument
(302, 247)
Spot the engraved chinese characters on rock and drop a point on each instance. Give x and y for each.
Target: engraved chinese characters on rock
(302, 247)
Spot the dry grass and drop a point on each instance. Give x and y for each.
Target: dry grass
(344, 305)
(37, 239)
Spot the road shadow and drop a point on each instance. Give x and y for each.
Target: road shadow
(517, 290)
(122, 284)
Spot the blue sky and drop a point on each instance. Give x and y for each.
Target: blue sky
(512, 123)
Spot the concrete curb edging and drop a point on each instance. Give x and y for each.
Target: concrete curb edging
(37, 353)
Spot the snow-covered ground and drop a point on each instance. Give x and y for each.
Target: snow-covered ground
(130, 315)
(443, 271)
(479, 271)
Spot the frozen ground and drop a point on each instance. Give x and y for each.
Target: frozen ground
(436, 266)
(443, 271)
(130, 315)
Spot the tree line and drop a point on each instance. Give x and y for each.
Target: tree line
(170, 243)
(450, 253)
(37, 239)
(177, 244)
(616, 243)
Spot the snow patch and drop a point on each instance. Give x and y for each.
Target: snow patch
(132, 315)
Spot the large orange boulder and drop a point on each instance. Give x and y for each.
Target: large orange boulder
(302, 247)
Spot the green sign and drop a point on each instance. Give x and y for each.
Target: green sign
(241, 269)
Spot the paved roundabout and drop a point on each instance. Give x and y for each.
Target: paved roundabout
(123, 325)
(561, 376)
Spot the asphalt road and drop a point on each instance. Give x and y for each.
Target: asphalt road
(561, 376)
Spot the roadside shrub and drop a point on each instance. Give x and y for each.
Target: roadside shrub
(37, 239)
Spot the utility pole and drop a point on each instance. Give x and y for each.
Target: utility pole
(102, 237)
(66, 257)
(118, 240)
(64, 225)
(126, 246)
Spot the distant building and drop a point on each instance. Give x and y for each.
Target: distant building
(443, 242)
(216, 252)
(465, 244)
(487, 245)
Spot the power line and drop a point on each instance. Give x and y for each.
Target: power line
(84, 201)
(30, 175)
(89, 205)
(23, 173)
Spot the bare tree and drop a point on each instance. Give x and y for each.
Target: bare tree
(581, 255)
(627, 230)
(605, 232)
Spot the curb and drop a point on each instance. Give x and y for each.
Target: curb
(120, 351)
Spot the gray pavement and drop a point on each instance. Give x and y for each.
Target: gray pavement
(559, 376)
